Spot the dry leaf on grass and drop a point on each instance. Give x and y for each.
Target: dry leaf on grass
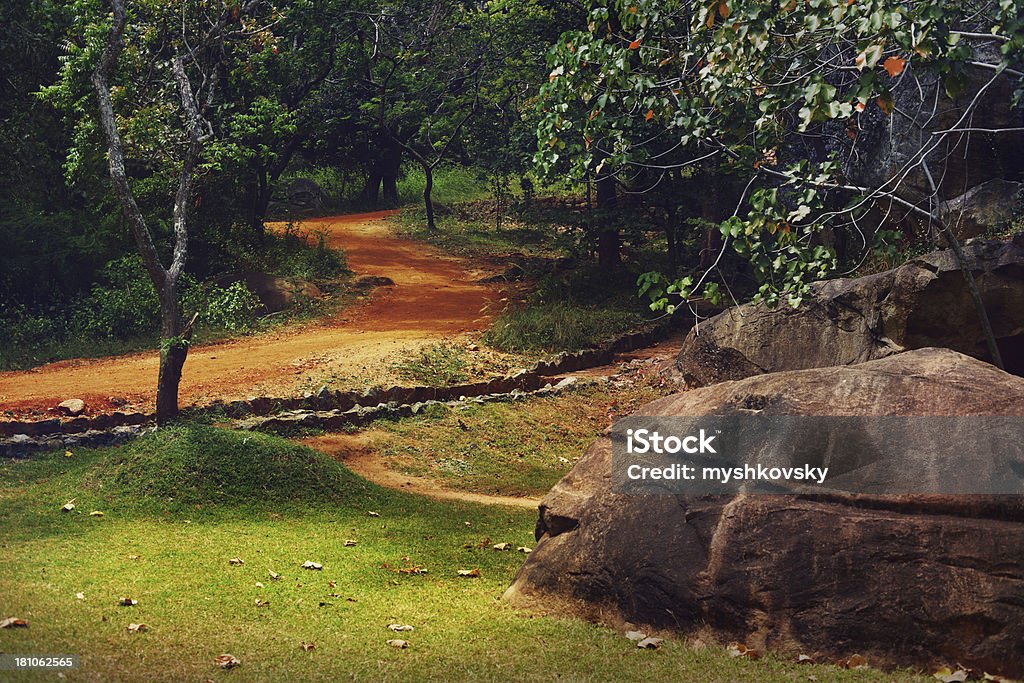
(127, 602)
(470, 573)
(500, 546)
(68, 453)
(635, 636)
(237, 561)
(349, 542)
(316, 566)
(227, 661)
(274, 575)
(650, 643)
(307, 646)
(13, 622)
(399, 643)
(946, 675)
(804, 659)
(371, 513)
(400, 627)
(741, 650)
(80, 596)
(95, 513)
(854, 662)
(68, 506)
(259, 585)
(524, 549)
(259, 602)
(137, 628)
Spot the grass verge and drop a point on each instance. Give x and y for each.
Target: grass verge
(159, 545)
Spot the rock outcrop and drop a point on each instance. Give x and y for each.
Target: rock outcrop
(920, 304)
(906, 580)
(278, 293)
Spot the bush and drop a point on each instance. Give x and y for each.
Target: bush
(124, 305)
(233, 308)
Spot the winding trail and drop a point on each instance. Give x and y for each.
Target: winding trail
(355, 452)
(435, 295)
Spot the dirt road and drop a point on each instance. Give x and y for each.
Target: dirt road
(435, 296)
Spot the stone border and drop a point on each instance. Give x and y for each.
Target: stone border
(21, 435)
(358, 416)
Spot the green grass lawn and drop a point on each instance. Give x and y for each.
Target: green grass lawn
(179, 505)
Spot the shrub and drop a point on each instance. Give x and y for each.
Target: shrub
(124, 305)
(233, 308)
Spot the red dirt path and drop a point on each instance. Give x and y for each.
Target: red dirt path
(435, 296)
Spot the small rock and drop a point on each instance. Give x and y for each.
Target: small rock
(72, 407)
(650, 643)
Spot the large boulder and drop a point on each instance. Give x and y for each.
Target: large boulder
(279, 293)
(920, 304)
(906, 580)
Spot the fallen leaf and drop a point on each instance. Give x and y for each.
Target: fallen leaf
(227, 661)
(307, 646)
(741, 650)
(68, 453)
(500, 546)
(135, 558)
(894, 66)
(127, 602)
(948, 676)
(349, 542)
(524, 549)
(371, 513)
(260, 602)
(400, 627)
(804, 659)
(259, 585)
(236, 561)
(80, 596)
(471, 573)
(332, 584)
(635, 636)
(95, 513)
(274, 576)
(399, 643)
(68, 506)
(650, 643)
(137, 628)
(856, 662)
(13, 622)
(312, 565)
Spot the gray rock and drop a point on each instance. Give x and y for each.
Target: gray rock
(984, 207)
(920, 304)
(905, 580)
(72, 406)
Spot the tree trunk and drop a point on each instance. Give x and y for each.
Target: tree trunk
(390, 183)
(428, 202)
(371, 191)
(260, 203)
(173, 352)
(608, 241)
